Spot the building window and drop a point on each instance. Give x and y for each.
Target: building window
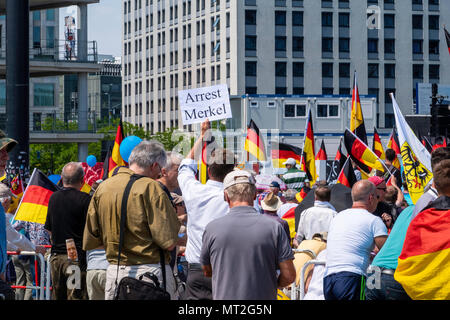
(44, 94)
(297, 43)
(280, 18)
(344, 20)
(280, 90)
(344, 44)
(327, 111)
(280, 69)
(417, 46)
(280, 43)
(417, 21)
(297, 69)
(372, 45)
(344, 70)
(250, 68)
(434, 47)
(389, 21)
(327, 19)
(294, 111)
(434, 71)
(297, 18)
(433, 22)
(417, 71)
(250, 42)
(327, 44)
(327, 70)
(389, 45)
(250, 17)
(389, 71)
(372, 70)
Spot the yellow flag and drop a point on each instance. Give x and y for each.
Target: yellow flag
(417, 176)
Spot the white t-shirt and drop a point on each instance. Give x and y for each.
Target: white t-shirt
(351, 239)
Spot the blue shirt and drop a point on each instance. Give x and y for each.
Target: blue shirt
(3, 256)
(96, 260)
(389, 253)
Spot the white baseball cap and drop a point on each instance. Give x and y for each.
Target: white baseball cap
(237, 177)
(290, 161)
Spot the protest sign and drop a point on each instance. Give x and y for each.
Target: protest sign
(197, 105)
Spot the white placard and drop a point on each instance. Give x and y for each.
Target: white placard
(197, 105)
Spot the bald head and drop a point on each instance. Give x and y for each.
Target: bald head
(362, 190)
(72, 174)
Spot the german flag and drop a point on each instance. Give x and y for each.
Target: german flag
(283, 151)
(34, 204)
(105, 169)
(377, 147)
(203, 163)
(308, 161)
(321, 162)
(254, 143)
(394, 144)
(17, 190)
(361, 154)
(357, 119)
(301, 195)
(289, 217)
(347, 175)
(423, 265)
(116, 159)
(447, 38)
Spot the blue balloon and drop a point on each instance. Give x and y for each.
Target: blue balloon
(91, 160)
(54, 178)
(128, 145)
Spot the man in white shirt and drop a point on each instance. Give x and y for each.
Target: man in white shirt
(351, 237)
(204, 203)
(316, 219)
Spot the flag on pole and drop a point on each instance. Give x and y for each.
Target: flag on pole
(321, 162)
(105, 169)
(254, 143)
(447, 38)
(347, 176)
(361, 154)
(394, 145)
(34, 204)
(17, 190)
(416, 159)
(338, 164)
(207, 148)
(283, 151)
(377, 147)
(308, 158)
(116, 159)
(289, 217)
(357, 119)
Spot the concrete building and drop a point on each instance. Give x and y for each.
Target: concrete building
(298, 47)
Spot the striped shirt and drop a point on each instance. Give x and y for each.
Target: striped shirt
(295, 179)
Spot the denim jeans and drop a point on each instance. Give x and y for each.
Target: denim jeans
(390, 290)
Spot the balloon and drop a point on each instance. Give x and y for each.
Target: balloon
(54, 178)
(128, 145)
(91, 160)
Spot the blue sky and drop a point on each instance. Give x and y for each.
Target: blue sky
(104, 25)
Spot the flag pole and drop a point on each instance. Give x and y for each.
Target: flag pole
(23, 196)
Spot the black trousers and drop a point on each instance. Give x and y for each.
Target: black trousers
(198, 287)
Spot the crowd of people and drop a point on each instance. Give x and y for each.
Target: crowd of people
(222, 240)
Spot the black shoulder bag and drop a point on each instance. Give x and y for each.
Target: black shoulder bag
(131, 288)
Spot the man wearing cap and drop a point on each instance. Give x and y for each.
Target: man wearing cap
(270, 206)
(274, 188)
(294, 178)
(243, 250)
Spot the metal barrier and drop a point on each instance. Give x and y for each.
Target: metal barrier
(300, 290)
(39, 284)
